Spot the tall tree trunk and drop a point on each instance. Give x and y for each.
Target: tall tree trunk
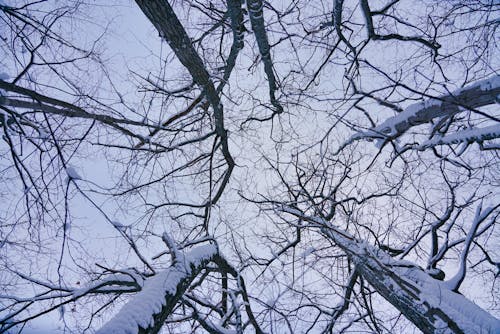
(147, 311)
(423, 300)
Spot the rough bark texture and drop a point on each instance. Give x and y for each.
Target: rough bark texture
(426, 302)
(163, 17)
(412, 291)
(181, 274)
(256, 13)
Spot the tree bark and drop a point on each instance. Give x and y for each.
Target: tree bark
(423, 300)
(147, 311)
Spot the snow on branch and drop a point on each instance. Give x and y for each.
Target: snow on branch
(21, 310)
(429, 303)
(478, 94)
(454, 283)
(148, 309)
(465, 136)
(473, 96)
(112, 283)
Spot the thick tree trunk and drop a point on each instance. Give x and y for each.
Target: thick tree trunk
(164, 19)
(425, 301)
(147, 311)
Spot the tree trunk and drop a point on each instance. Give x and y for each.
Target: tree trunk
(147, 311)
(423, 300)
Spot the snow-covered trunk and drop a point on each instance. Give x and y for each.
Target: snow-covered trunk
(425, 301)
(429, 303)
(147, 311)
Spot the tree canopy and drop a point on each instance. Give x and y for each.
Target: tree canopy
(249, 166)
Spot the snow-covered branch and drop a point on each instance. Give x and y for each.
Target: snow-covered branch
(454, 283)
(148, 309)
(476, 95)
(471, 97)
(429, 303)
(126, 281)
(466, 136)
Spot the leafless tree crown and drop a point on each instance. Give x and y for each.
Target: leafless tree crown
(249, 166)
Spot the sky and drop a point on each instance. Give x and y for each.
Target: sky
(130, 44)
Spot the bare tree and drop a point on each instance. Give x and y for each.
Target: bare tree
(291, 167)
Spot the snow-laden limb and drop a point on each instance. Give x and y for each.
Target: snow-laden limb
(148, 309)
(208, 325)
(454, 283)
(21, 311)
(425, 301)
(476, 95)
(466, 136)
(112, 283)
(481, 93)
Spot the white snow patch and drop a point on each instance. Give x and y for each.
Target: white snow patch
(139, 311)
(110, 282)
(480, 134)
(486, 84)
(389, 126)
(432, 293)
